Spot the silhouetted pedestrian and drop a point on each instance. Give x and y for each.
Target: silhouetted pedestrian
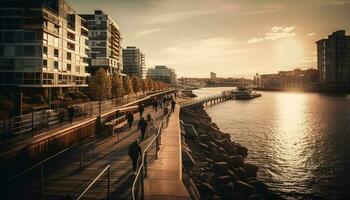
(142, 126)
(61, 116)
(141, 109)
(173, 103)
(155, 104)
(71, 113)
(134, 153)
(130, 119)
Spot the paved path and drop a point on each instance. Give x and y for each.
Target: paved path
(65, 180)
(164, 180)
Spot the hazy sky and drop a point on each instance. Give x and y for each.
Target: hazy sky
(230, 37)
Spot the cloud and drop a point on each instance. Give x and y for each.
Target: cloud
(339, 2)
(174, 17)
(145, 32)
(310, 34)
(255, 40)
(277, 32)
(259, 9)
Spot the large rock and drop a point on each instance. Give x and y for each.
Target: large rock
(225, 188)
(187, 159)
(251, 169)
(236, 161)
(259, 186)
(206, 188)
(256, 197)
(220, 168)
(242, 151)
(222, 180)
(244, 188)
(222, 157)
(241, 173)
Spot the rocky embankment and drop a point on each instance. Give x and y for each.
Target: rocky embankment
(214, 166)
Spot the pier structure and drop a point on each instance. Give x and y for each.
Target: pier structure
(211, 100)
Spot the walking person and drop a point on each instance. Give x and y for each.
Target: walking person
(135, 153)
(173, 103)
(61, 116)
(71, 113)
(150, 121)
(141, 109)
(130, 119)
(155, 104)
(142, 126)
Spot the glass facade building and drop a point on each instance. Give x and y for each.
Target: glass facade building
(162, 73)
(43, 45)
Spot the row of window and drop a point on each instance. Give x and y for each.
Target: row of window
(37, 78)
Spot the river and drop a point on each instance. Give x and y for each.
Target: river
(300, 141)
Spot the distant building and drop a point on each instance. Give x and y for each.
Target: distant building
(288, 79)
(105, 42)
(43, 46)
(212, 75)
(333, 59)
(134, 63)
(162, 73)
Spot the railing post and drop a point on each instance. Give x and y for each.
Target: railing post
(99, 108)
(47, 120)
(142, 185)
(81, 155)
(109, 183)
(145, 164)
(32, 124)
(157, 146)
(42, 179)
(94, 146)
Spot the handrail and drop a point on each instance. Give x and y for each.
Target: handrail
(40, 163)
(142, 171)
(108, 167)
(202, 100)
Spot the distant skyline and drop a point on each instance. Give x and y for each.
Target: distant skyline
(229, 37)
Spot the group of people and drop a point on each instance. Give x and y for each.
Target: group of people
(135, 149)
(71, 114)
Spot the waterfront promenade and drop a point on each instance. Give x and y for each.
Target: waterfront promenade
(64, 179)
(164, 180)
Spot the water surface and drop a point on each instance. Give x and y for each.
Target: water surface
(300, 141)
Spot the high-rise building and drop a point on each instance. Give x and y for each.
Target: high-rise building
(333, 59)
(104, 42)
(43, 47)
(134, 62)
(212, 75)
(162, 73)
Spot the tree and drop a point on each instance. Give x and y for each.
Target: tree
(100, 85)
(117, 86)
(127, 86)
(135, 84)
(150, 84)
(144, 85)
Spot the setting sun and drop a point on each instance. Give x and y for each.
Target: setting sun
(289, 53)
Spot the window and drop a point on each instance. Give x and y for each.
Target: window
(55, 65)
(45, 50)
(77, 68)
(56, 53)
(69, 56)
(45, 63)
(69, 67)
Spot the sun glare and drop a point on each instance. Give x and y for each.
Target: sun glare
(289, 53)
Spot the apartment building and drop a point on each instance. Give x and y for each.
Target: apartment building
(162, 73)
(333, 59)
(105, 42)
(43, 45)
(134, 62)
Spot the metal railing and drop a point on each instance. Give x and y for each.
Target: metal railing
(41, 163)
(108, 169)
(137, 190)
(37, 122)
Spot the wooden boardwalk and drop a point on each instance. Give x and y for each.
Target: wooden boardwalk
(64, 179)
(164, 180)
